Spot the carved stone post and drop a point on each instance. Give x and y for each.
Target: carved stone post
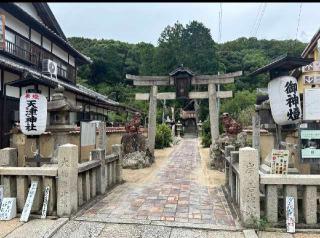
(256, 132)
(101, 172)
(67, 198)
(213, 112)
(117, 149)
(249, 185)
(152, 118)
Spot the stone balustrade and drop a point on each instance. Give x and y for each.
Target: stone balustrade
(71, 184)
(248, 187)
(17, 180)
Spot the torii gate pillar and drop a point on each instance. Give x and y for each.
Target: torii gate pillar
(213, 112)
(152, 125)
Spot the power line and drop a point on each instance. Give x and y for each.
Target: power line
(298, 21)
(260, 20)
(220, 23)
(256, 19)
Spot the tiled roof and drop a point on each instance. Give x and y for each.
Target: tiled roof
(10, 63)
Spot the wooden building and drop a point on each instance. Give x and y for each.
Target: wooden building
(30, 37)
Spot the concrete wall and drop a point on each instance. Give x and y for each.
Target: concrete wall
(15, 24)
(59, 52)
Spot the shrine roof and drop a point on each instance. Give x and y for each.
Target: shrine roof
(283, 63)
(181, 69)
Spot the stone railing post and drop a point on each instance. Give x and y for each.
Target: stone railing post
(227, 151)
(117, 149)
(249, 185)
(234, 158)
(100, 155)
(9, 157)
(101, 138)
(67, 198)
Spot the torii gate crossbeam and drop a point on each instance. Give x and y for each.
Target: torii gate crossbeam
(211, 94)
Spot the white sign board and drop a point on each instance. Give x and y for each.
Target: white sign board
(88, 133)
(1, 193)
(28, 205)
(8, 209)
(45, 202)
(290, 218)
(33, 113)
(284, 100)
(311, 100)
(279, 161)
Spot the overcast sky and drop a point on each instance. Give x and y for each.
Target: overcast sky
(136, 22)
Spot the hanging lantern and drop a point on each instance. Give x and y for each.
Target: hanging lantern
(33, 113)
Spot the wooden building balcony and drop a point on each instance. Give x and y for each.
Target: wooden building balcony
(33, 55)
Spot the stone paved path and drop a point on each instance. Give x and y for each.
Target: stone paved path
(173, 196)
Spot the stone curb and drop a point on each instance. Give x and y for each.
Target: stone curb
(160, 223)
(250, 234)
(60, 223)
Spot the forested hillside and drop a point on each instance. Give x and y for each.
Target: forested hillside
(191, 45)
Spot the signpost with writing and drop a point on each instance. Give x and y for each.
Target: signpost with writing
(28, 205)
(8, 209)
(1, 193)
(279, 161)
(290, 217)
(45, 202)
(310, 142)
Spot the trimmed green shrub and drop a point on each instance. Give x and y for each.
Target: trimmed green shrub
(163, 136)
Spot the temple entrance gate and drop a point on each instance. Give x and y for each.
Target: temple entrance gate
(183, 78)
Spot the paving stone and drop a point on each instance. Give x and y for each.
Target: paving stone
(188, 233)
(120, 231)
(174, 192)
(8, 226)
(37, 228)
(265, 234)
(77, 229)
(225, 234)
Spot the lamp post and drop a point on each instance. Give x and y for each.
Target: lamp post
(179, 127)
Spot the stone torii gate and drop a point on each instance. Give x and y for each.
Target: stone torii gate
(182, 78)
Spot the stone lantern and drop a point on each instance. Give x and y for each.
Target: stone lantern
(179, 127)
(61, 113)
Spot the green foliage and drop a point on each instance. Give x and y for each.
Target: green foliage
(163, 136)
(260, 224)
(206, 134)
(245, 116)
(191, 45)
(238, 103)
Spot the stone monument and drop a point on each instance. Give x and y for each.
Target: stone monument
(136, 155)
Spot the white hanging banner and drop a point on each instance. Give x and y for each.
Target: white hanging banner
(33, 113)
(284, 100)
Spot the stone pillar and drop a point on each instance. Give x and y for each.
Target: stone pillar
(227, 164)
(9, 157)
(213, 112)
(249, 185)
(117, 149)
(80, 190)
(310, 204)
(234, 158)
(101, 171)
(271, 203)
(86, 186)
(9, 186)
(256, 132)
(67, 198)
(291, 191)
(22, 191)
(101, 138)
(152, 118)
